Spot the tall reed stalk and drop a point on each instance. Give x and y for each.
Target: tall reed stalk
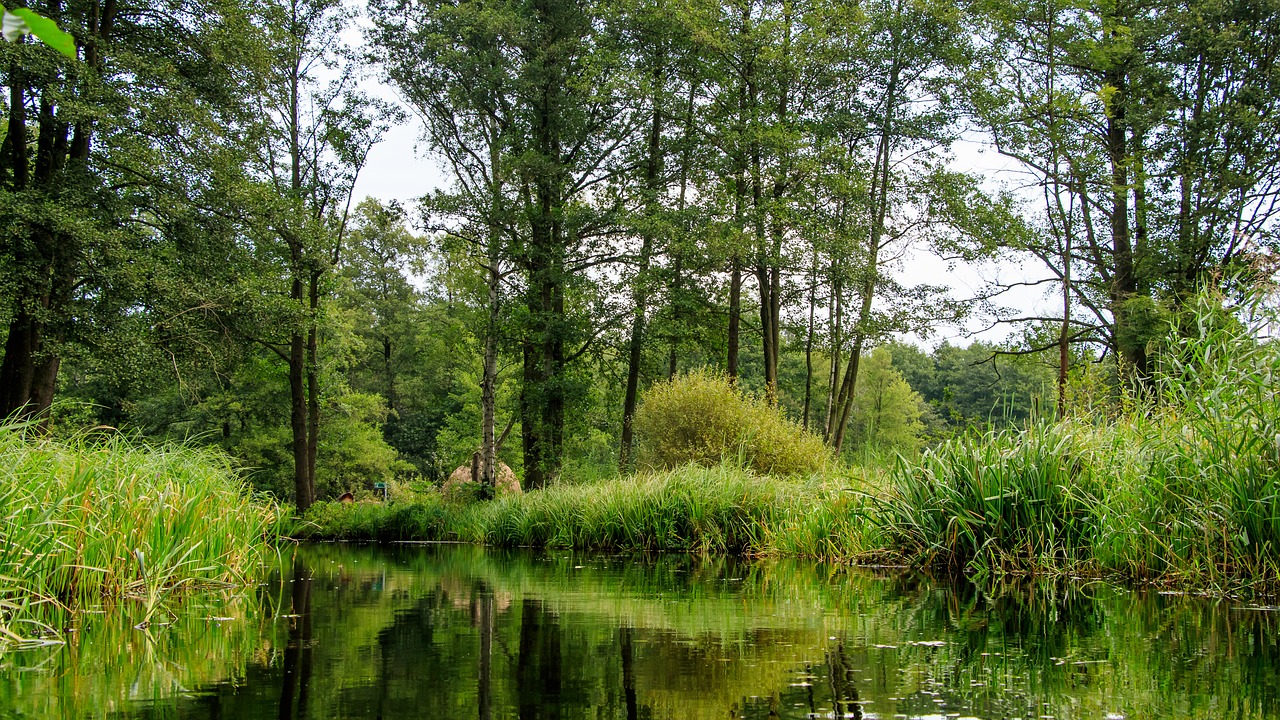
(99, 518)
(1183, 486)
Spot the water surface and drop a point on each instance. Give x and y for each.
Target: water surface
(462, 632)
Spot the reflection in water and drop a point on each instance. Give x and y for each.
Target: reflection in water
(297, 654)
(484, 703)
(455, 632)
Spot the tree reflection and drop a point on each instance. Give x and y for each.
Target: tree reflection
(297, 655)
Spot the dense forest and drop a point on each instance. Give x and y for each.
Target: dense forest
(637, 189)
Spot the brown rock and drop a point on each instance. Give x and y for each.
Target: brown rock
(505, 479)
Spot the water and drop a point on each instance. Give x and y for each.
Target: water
(461, 632)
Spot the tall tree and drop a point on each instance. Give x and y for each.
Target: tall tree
(545, 113)
(1144, 123)
(314, 136)
(102, 157)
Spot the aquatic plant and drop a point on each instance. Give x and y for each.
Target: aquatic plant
(1182, 486)
(98, 517)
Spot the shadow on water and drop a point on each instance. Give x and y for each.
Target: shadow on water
(458, 632)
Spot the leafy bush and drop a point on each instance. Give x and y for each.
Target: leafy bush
(703, 418)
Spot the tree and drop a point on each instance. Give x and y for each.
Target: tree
(1145, 125)
(103, 160)
(520, 98)
(311, 143)
(887, 411)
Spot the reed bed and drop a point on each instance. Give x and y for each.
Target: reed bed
(724, 509)
(1182, 487)
(98, 518)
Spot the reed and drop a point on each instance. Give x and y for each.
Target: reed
(98, 518)
(722, 509)
(1182, 487)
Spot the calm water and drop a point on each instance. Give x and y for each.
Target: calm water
(460, 632)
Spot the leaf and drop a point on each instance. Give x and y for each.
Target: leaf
(46, 30)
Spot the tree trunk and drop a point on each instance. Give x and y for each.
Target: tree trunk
(545, 262)
(808, 341)
(835, 316)
(735, 312)
(24, 341)
(313, 379)
(1124, 284)
(489, 380)
(880, 196)
(303, 488)
(652, 177)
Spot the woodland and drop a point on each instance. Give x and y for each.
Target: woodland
(637, 189)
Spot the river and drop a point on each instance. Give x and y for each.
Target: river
(448, 631)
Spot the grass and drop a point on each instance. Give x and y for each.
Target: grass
(724, 509)
(1180, 485)
(98, 518)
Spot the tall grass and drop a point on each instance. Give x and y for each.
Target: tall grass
(724, 509)
(100, 518)
(1182, 486)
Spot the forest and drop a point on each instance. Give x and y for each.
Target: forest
(637, 190)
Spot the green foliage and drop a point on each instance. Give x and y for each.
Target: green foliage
(997, 500)
(421, 518)
(974, 386)
(353, 454)
(98, 518)
(21, 21)
(1181, 487)
(886, 411)
(702, 418)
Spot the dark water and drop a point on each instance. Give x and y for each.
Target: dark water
(460, 632)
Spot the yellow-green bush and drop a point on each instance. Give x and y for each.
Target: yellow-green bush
(703, 418)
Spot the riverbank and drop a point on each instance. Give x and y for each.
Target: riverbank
(100, 519)
(1178, 485)
(1183, 496)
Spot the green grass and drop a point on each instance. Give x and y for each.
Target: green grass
(98, 518)
(1180, 485)
(709, 510)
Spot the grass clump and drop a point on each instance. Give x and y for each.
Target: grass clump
(94, 519)
(704, 418)
(1009, 500)
(425, 516)
(1182, 487)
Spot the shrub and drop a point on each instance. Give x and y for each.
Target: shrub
(703, 418)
